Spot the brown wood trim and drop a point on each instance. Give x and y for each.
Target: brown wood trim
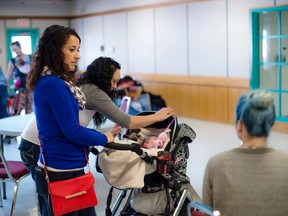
(195, 80)
(206, 98)
(281, 127)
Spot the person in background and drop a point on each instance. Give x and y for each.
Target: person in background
(252, 179)
(105, 73)
(18, 67)
(57, 104)
(3, 95)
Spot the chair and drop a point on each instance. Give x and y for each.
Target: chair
(11, 171)
(196, 208)
(14, 108)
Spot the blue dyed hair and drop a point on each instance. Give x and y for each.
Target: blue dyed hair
(257, 112)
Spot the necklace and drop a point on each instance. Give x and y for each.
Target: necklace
(253, 147)
(254, 144)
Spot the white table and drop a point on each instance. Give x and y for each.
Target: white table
(14, 125)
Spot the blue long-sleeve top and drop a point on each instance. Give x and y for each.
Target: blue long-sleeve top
(57, 115)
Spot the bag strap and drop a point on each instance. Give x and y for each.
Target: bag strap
(45, 165)
(13, 60)
(87, 159)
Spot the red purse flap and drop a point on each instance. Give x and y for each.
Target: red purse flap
(72, 187)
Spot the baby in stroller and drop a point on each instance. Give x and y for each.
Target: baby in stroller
(149, 141)
(157, 179)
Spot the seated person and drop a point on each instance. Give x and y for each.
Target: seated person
(251, 179)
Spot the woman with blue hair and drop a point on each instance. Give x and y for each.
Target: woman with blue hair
(252, 179)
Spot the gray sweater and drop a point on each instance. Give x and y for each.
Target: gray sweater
(99, 101)
(250, 182)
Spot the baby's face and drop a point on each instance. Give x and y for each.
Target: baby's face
(149, 142)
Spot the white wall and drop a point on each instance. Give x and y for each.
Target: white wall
(171, 40)
(203, 38)
(43, 24)
(93, 37)
(115, 38)
(91, 6)
(141, 41)
(207, 39)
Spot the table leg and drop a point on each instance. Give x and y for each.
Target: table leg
(2, 152)
(2, 143)
(4, 190)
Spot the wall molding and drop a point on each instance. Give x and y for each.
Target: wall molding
(195, 80)
(206, 98)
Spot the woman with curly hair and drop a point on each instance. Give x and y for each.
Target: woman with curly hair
(98, 83)
(57, 104)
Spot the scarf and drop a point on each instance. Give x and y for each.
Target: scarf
(76, 91)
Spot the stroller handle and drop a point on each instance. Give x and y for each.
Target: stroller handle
(134, 147)
(116, 146)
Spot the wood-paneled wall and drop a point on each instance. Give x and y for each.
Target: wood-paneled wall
(206, 98)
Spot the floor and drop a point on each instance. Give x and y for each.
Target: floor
(211, 139)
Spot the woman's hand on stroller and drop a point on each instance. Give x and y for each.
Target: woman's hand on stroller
(164, 113)
(116, 130)
(113, 133)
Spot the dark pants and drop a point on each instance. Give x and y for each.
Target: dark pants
(42, 189)
(29, 153)
(3, 101)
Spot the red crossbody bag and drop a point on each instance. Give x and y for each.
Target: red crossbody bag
(71, 194)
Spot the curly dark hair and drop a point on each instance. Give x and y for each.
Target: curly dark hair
(100, 73)
(49, 53)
